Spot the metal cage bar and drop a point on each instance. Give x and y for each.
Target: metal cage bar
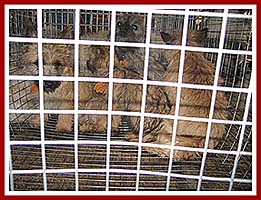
(229, 48)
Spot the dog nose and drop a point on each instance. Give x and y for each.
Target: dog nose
(124, 28)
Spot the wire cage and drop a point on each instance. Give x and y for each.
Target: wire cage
(44, 159)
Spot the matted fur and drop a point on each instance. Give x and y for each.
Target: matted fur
(193, 102)
(130, 28)
(127, 97)
(94, 61)
(55, 57)
(57, 61)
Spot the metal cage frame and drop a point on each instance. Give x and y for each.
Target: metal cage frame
(229, 47)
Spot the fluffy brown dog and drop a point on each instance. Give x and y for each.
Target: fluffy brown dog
(193, 102)
(58, 61)
(56, 57)
(130, 28)
(63, 96)
(127, 97)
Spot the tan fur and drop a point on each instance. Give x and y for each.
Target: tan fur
(130, 28)
(52, 54)
(101, 35)
(63, 96)
(127, 97)
(55, 56)
(193, 102)
(94, 61)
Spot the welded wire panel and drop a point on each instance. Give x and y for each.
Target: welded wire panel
(78, 122)
(91, 156)
(58, 22)
(19, 21)
(94, 21)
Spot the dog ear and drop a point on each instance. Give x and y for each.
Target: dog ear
(30, 29)
(204, 32)
(100, 51)
(67, 33)
(82, 28)
(108, 36)
(166, 37)
(201, 36)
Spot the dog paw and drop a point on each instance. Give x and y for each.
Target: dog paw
(63, 127)
(35, 122)
(88, 128)
(162, 152)
(184, 155)
(131, 137)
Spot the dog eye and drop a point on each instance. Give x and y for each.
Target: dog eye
(57, 63)
(119, 24)
(88, 64)
(36, 63)
(134, 27)
(123, 57)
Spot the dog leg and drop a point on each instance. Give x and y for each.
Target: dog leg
(64, 123)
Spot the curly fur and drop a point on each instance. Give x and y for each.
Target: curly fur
(193, 102)
(130, 28)
(127, 97)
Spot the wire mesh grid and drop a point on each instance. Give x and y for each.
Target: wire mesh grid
(42, 158)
